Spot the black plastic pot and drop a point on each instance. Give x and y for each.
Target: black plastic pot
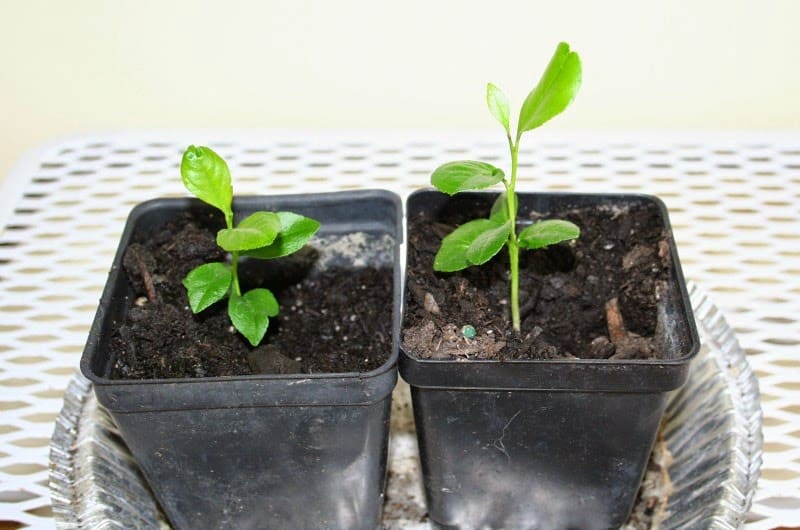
(543, 444)
(261, 451)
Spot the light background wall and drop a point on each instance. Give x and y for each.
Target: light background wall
(74, 66)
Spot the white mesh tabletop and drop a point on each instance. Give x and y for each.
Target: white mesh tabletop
(734, 201)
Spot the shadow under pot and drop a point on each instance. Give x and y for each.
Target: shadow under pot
(551, 427)
(295, 448)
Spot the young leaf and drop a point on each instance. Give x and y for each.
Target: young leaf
(250, 313)
(465, 175)
(255, 231)
(546, 233)
(555, 91)
(206, 175)
(452, 255)
(498, 106)
(499, 211)
(206, 285)
(296, 231)
(489, 243)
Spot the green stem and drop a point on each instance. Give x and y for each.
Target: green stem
(235, 273)
(234, 257)
(513, 248)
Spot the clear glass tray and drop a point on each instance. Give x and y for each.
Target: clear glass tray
(712, 430)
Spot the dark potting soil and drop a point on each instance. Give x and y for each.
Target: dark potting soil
(594, 297)
(333, 321)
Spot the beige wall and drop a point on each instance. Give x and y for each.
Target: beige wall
(71, 66)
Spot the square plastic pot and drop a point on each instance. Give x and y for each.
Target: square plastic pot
(537, 444)
(260, 451)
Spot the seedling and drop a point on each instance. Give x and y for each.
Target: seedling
(477, 241)
(264, 235)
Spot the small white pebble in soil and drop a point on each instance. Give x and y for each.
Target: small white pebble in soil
(608, 246)
(298, 358)
(353, 318)
(294, 308)
(231, 329)
(363, 287)
(299, 303)
(142, 300)
(344, 338)
(337, 327)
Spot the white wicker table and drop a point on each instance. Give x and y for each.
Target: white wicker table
(734, 199)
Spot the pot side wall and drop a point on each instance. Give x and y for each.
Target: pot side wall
(533, 459)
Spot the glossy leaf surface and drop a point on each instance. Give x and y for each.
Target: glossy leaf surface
(556, 89)
(207, 284)
(465, 175)
(255, 231)
(206, 175)
(546, 233)
(250, 313)
(295, 231)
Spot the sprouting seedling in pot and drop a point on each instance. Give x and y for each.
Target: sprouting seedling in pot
(263, 235)
(477, 241)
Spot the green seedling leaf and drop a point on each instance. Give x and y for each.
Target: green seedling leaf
(546, 233)
(472, 243)
(452, 254)
(499, 211)
(489, 243)
(555, 91)
(255, 231)
(295, 232)
(454, 177)
(498, 106)
(206, 285)
(250, 313)
(206, 175)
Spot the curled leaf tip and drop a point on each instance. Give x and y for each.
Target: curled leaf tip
(193, 152)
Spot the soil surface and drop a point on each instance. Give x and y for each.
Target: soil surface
(333, 321)
(594, 297)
